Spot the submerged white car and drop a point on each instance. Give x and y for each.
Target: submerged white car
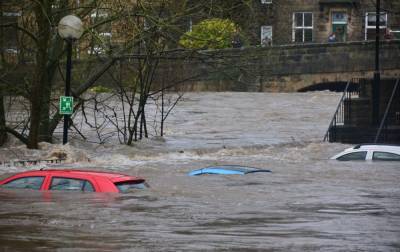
(370, 152)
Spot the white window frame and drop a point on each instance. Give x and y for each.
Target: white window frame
(303, 27)
(12, 13)
(368, 27)
(97, 13)
(266, 1)
(394, 32)
(98, 49)
(11, 50)
(190, 24)
(105, 34)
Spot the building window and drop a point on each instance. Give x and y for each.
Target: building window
(266, 1)
(266, 35)
(396, 35)
(370, 24)
(302, 27)
(9, 34)
(190, 25)
(101, 34)
(339, 25)
(11, 14)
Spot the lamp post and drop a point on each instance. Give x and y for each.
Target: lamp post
(70, 28)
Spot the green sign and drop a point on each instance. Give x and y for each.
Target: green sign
(66, 105)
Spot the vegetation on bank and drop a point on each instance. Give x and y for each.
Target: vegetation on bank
(210, 34)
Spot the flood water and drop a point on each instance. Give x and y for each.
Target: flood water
(307, 203)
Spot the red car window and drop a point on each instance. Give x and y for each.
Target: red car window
(126, 186)
(70, 184)
(34, 182)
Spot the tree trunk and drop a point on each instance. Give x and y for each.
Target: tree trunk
(40, 82)
(3, 133)
(45, 132)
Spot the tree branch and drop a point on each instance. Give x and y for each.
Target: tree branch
(15, 133)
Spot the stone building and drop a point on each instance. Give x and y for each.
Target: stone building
(264, 22)
(312, 21)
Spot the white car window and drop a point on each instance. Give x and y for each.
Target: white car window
(359, 155)
(385, 156)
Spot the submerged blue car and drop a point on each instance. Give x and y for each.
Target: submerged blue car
(227, 170)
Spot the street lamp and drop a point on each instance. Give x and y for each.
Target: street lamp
(70, 28)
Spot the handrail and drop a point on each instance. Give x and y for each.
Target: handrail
(337, 110)
(386, 111)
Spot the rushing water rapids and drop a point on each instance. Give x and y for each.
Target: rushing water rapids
(307, 203)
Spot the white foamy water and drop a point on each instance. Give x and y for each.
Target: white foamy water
(307, 203)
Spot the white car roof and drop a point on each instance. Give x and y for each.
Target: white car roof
(370, 147)
(378, 147)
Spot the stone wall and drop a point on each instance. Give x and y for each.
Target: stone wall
(287, 68)
(270, 69)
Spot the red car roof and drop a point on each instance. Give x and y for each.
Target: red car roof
(99, 176)
(114, 177)
(109, 175)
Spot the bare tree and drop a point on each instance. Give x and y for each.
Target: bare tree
(146, 32)
(37, 26)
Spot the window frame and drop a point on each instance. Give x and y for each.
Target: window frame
(11, 14)
(14, 48)
(266, 1)
(126, 186)
(190, 23)
(372, 27)
(100, 48)
(352, 153)
(85, 181)
(25, 177)
(303, 27)
(385, 152)
(346, 17)
(261, 34)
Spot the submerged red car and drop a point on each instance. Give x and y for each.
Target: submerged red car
(73, 180)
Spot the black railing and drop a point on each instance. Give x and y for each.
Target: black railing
(343, 111)
(384, 123)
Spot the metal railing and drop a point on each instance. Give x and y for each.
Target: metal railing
(18, 163)
(383, 124)
(343, 111)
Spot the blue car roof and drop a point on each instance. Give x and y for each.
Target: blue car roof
(227, 170)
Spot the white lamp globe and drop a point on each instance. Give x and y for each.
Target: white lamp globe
(70, 27)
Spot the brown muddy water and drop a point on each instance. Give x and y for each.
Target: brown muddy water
(307, 203)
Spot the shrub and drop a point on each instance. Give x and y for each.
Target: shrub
(210, 34)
